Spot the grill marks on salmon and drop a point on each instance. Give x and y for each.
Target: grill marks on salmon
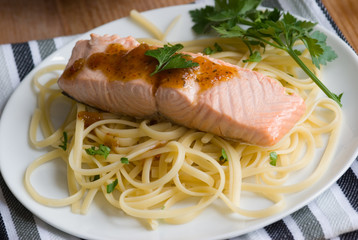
(113, 74)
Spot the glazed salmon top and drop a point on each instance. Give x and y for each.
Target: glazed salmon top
(113, 74)
(119, 64)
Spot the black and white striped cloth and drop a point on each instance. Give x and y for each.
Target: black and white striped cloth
(332, 215)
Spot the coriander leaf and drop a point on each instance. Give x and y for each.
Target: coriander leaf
(320, 37)
(223, 158)
(269, 27)
(95, 177)
(222, 16)
(168, 58)
(101, 150)
(298, 52)
(288, 19)
(177, 61)
(273, 158)
(314, 48)
(230, 32)
(209, 50)
(200, 18)
(111, 186)
(217, 47)
(236, 6)
(228, 11)
(64, 141)
(327, 54)
(261, 16)
(254, 57)
(124, 160)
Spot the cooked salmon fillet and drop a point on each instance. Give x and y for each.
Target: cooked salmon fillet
(113, 74)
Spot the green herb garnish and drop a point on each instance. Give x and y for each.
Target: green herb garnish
(64, 141)
(241, 19)
(111, 186)
(95, 177)
(168, 58)
(209, 50)
(124, 160)
(101, 150)
(223, 158)
(273, 158)
(255, 56)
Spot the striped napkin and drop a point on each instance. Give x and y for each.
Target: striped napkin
(332, 215)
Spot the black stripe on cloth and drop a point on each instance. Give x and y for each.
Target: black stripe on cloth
(332, 22)
(279, 230)
(272, 4)
(349, 236)
(46, 47)
(23, 219)
(3, 232)
(308, 223)
(23, 58)
(349, 185)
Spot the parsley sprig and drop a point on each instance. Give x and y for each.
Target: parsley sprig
(102, 150)
(273, 158)
(241, 19)
(112, 186)
(169, 58)
(95, 178)
(223, 158)
(209, 50)
(64, 141)
(124, 160)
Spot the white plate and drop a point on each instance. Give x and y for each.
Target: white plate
(104, 222)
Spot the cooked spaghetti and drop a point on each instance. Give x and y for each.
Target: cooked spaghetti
(149, 169)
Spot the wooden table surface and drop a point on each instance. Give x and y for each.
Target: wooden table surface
(24, 20)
